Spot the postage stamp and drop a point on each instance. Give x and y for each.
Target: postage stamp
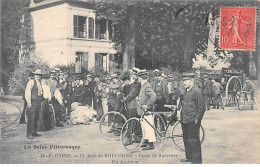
(237, 28)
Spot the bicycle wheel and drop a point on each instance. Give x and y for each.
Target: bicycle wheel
(52, 115)
(177, 136)
(110, 125)
(160, 126)
(132, 135)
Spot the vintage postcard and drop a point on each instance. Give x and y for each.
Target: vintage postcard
(130, 82)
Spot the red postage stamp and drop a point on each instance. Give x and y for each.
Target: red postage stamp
(237, 28)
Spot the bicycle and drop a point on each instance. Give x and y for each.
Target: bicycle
(52, 115)
(111, 123)
(132, 130)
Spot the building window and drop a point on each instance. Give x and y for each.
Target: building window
(97, 33)
(110, 30)
(101, 61)
(103, 29)
(82, 59)
(90, 28)
(80, 26)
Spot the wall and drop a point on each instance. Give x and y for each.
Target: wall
(53, 33)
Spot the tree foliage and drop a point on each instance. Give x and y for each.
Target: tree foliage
(167, 32)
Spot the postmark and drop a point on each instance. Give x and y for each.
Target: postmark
(237, 28)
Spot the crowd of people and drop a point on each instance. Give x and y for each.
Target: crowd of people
(139, 90)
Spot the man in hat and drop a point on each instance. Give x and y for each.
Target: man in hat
(125, 87)
(134, 91)
(89, 87)
(217, 90)
(78, 91)
(160, 88)
(119, 107)
(207, 90)
(34, 97)
(45, 122)
(22, 119)
(249, 87)
(52, 82)
(193, 109)
(147, 99)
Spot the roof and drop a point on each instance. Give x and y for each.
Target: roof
(48, 3)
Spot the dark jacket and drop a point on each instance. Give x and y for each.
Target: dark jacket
(119, 105)
(111, 98)
(207, 87)
(193, 105)
(133, 93)
(146, 97)
(89, 89)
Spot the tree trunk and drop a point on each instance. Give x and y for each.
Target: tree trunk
(129, 49)
(212, 35)
(187, 58)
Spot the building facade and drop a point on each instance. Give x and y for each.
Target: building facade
(69, 32)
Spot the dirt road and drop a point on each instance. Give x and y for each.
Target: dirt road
(232, 136)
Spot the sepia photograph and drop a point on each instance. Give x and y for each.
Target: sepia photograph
(130, 82)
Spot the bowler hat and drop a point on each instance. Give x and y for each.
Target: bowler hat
(38, 72)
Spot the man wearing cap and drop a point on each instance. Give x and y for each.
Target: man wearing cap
(34, 97)
(22, 119)
(207, 90)
(193, 109)
(147, 99)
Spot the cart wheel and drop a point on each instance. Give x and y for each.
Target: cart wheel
(110, 125)
(177, 136)
(52, 117)
(132, 135)
(233, 89)
(159, 125)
